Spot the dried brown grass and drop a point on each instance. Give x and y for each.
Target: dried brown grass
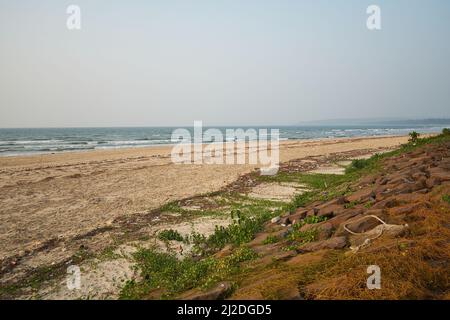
(416, 267)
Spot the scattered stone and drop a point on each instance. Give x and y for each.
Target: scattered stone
(275, 220)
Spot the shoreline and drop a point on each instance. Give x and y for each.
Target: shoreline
(16, 160)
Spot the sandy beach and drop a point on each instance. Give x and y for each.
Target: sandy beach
(60, 196)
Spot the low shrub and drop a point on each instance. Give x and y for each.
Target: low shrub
(446, 198)
(169, 235)
(164, 271)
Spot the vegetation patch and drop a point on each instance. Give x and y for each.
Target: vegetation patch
(169, 235)
(241, 231)
(446, 198)
(271, 240)
(303, 237)
(163, 271)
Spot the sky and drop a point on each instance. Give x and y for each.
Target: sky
(225, 62)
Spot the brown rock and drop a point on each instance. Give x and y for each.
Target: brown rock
(365, 222)
(348, 214)
(218, 292)
(325, 231)
(386, 203)
(418, 175)
(226, 251)
(406, 209)
(341, 200)
(332, 243)
(312, 212)
(367, 180)
(441, 173)
(361, 195)
(336, 201)
(300, 213)
(433, 181)
(382, 181)
(330, 211)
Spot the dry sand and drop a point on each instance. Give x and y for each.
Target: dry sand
(68, 194)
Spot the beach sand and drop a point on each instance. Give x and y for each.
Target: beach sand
(61, 196)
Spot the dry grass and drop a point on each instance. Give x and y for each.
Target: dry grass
(413, 268)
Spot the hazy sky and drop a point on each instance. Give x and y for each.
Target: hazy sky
(144, 63)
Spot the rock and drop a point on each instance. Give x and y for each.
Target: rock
(404, 187)
(361, 195)
(367, 181)
(386, 203)
(393, 230)
(330, 210)
(389, 230)
(407, 209)
(332, 243)
(365, 222)
(218, 292)
(433, 181)
(348, 214)
(226, 251)
(312, 212)
(441, 173)
(341, 200)
(337, 201)
(275, 220)
(418, 175)
(325, 231)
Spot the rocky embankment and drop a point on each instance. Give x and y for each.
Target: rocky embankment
(397, 219)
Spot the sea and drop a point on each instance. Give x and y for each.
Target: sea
(32, 141)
